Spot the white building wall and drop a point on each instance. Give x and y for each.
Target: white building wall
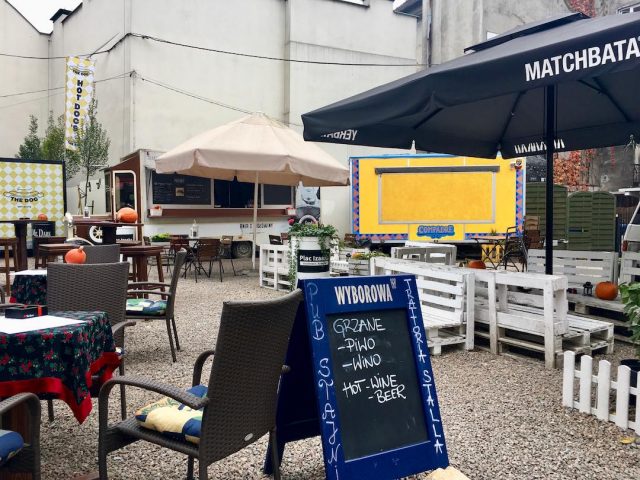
(164, 118)
(338, 32)
(18, 75)
(139, 113)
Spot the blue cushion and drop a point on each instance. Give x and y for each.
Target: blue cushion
(10, 444)
(173, 418)
(144, 306)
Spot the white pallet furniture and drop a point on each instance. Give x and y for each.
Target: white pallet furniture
(578, 266)
(581, 267)
(604, 385)
(446, 298)
(630, 267)
(427, 252)
(548, 318)
(274, 266)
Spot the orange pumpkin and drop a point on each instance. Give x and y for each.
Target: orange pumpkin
(76, 255)
(476, 264)
(127, 215)
(43, 217)
(606, 291)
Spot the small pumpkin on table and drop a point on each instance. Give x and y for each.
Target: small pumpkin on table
(476, 264)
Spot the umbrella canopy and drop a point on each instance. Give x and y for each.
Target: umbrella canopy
(255, 149)
(567, 83)
(255, 144)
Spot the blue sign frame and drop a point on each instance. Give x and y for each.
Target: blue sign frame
(392, 292)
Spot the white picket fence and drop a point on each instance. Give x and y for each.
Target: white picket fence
(603, 384)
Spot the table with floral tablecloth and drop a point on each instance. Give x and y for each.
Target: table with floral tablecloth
(60, 361)
(29, 287)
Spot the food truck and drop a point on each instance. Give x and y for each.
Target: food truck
(171, 203)
(431, 198)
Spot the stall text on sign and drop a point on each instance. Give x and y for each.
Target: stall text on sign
(376, 397)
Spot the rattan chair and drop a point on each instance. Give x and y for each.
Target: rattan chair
(28, 459)
(103, 253)
(240, 406)
(153, 288)
(98, 287)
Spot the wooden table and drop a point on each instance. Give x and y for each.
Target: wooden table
(495, 242)
(20, 227)
(48, 250)
(97, 353)
(139, 255)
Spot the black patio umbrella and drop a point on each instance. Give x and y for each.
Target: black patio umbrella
(566, 83)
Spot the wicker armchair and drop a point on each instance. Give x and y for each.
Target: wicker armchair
(98, 287)
(243, 388)
(103, 253)
(28, 460)
(153, 288)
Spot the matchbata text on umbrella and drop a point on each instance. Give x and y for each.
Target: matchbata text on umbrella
(611, 52)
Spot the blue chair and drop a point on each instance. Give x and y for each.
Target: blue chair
(18, 455)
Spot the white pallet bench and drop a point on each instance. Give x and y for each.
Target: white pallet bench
(446, 298)
(578, 266)
(428, 253)
(537, 329)
(274, 266)
(604, 385)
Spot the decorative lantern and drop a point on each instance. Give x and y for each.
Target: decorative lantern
(587, 289)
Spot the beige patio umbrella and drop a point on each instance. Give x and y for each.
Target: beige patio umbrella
(255, 149)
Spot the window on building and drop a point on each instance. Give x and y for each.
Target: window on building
(630, 8)
(234, 194)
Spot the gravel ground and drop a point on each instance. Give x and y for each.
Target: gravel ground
(503, 417)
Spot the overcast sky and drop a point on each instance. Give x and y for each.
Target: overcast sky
(38, 12)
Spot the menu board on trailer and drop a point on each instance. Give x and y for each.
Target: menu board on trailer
(376, 398)
(176, 189)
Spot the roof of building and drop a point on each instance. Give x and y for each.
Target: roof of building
(59, 13)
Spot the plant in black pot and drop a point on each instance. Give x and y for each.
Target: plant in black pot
(630, 294)
(309, 253)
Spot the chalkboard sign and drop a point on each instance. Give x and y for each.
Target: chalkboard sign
(376, 397)
(176, 189)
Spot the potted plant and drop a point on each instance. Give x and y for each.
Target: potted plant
(310, 250)
(360, 263)
(160, 238)
(630, 295)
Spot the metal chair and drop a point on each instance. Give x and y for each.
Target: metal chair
(28, 459)
(98, 287)
(226, 251)
(242, 393)
(515, 249)
(208, 250)
(102, 253)
(153, 288)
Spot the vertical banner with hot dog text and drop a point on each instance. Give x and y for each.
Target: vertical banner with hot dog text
(78, 95)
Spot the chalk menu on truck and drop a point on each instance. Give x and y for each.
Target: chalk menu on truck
(376, 397)
(176, 189)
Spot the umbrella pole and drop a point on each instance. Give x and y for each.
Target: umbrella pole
(550, 95)
(255, 221)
